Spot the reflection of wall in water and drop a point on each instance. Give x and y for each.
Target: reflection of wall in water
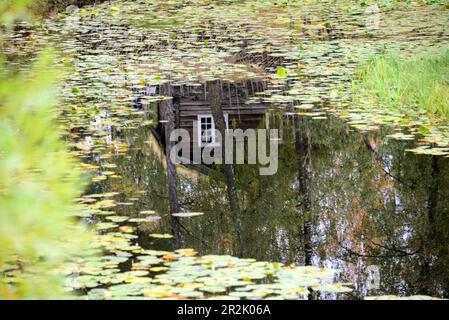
(240, 106)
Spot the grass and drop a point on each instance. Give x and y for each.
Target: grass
(418, 83)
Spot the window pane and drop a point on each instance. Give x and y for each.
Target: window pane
(206, 127)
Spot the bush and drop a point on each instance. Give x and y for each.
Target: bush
(39, 181)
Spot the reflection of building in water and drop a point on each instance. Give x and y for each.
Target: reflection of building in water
(191, 107)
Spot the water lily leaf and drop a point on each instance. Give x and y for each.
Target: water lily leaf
(281, 72)
(161, 236)
(334, 288)
(187, 214)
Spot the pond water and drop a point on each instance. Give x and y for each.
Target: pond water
(377, 213)
(347, 194)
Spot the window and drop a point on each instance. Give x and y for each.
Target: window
(206, 132)
(206, 125)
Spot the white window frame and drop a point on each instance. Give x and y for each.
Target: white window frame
(214, 142)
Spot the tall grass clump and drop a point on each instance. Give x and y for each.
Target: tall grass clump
(418, 83)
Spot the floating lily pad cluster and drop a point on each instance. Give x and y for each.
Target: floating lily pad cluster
(308, 51)
(183, 274)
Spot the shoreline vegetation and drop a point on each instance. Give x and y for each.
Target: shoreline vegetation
(417, 83)
(39, 181)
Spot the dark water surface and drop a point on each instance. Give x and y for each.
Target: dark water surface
(340, 199)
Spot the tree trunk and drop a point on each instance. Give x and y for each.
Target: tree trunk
(304, 204)
(167, 114)
(430, 239)
(214, 96)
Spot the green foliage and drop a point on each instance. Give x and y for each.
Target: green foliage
(11, 10)
(38, 184)
(419, 83)
(281, 72)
